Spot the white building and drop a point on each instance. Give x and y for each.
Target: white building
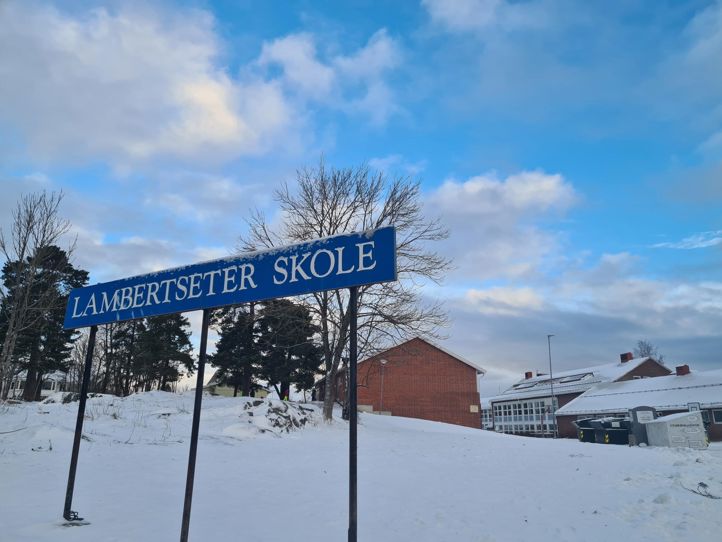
(52, 383)
(526, 408)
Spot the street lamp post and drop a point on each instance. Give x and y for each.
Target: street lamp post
(551, 383)
(383, 364)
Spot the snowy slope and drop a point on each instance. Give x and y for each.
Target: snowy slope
(418, 481)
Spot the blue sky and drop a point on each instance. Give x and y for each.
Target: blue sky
(574, 149)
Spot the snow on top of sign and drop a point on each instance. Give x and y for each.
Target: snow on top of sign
(661, 392)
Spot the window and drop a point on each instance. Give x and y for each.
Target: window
(524, 385)
(48, 385)
(717, 416)
(574, 378)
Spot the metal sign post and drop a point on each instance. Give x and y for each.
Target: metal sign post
(331, 263)
(69, 514)
(353, 415)
(196, 424)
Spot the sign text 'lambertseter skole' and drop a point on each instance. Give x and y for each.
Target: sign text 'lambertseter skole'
(324, 264)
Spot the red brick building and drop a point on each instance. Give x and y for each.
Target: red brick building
(419, 379)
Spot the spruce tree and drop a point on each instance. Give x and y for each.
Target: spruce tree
(45, 347)
(126, 348)
(165, 347)
(286, 340)
(237, 357)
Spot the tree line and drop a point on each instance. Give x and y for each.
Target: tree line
(281, 342)
(272, 342)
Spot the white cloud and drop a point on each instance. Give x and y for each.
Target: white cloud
(380, 55)
(129, 85)
(204, 197)
(687, 84)
(303, 72)
(353, 83)
(703, 239)
(396, 163)
(595, 312)
(494, 222)
(135, 255)
(526, 192)
(482, 15)
(505, 300)
(463, 14)
(712, 146)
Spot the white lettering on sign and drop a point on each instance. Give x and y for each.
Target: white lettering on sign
(314, 264)
(322, 263)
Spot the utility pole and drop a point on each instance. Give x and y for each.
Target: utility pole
(551, 383)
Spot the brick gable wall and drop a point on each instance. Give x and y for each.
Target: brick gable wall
(420, 381)
(649, 369)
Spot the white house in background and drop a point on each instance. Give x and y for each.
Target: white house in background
(52, 383)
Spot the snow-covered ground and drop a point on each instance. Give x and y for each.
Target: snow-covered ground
(418, 481)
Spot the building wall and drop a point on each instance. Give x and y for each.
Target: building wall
(714, 430)
(647, 369)
(420, 381)
(531, 416)
(565, 428)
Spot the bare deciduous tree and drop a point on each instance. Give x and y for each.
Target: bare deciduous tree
(646, 349)
(329, 201)
(36, 225)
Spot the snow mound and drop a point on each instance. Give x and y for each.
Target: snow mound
(268, 415)
(66, 397)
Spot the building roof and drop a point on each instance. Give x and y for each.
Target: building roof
(572, 381)
(663, 393)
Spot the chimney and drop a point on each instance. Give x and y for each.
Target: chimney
(682, 370)
(528, 375)
(627, 356)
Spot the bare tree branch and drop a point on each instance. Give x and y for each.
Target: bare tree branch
(329, 201)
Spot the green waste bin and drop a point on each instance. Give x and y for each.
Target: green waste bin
(585, 431)
(611, 430)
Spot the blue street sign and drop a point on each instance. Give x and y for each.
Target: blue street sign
(341, 261)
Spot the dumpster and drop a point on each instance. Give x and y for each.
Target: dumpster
(598, 428)
(611, 430)
(585, 432)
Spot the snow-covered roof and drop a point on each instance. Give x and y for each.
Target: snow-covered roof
(663, 393)
(572, 381)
